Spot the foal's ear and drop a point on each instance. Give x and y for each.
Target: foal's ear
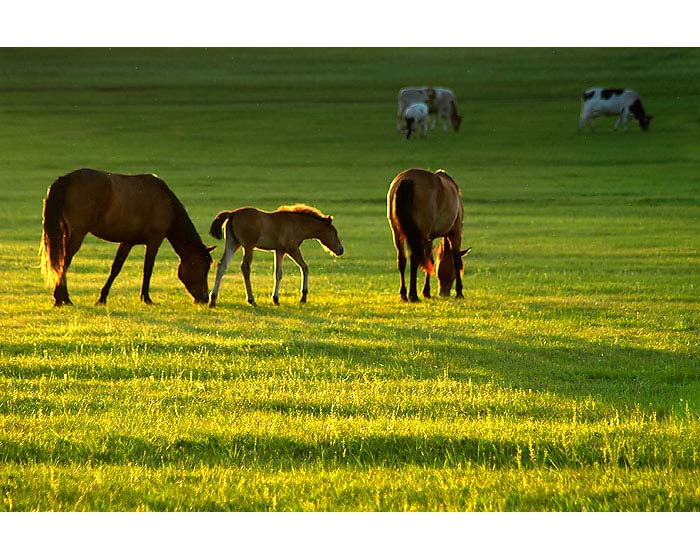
(210, 249)
(465, 251)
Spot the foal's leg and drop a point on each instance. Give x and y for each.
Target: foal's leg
(60, 292)
(297, 258)
(229, 250)
(245, 269)
(122, 253)
(148, 262)
(279, 257)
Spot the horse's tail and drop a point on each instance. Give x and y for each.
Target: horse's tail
(55, 231)
(404, 213)
(216, 228)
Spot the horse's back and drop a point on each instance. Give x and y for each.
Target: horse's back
(435, 199)
(118, 207)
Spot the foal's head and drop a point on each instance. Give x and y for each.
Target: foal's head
(329, 237)
(193, 271)
(446, 267)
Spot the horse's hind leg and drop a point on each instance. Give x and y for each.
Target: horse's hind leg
(60, 292)
(230, 249)
(122, 253)
(400, 262)
(301, 263)
(245, 269)
(413, 285)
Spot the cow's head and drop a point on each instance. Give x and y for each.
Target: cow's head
(644, 122)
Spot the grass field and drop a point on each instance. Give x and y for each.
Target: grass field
(567, 379)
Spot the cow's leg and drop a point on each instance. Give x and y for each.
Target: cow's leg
(624, 116)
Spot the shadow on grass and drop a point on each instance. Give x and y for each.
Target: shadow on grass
(376, 451)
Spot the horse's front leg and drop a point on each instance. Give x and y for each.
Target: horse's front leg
(245, 269)
(279, 258)
(148, 262)
(122, 253)
(229, 250)
(426, 286)
(297, 258)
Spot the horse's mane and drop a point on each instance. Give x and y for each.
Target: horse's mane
(183, 229)
(304, 209)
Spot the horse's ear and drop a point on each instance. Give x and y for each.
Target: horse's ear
(329, 219)
(210, 249)
(465, 251)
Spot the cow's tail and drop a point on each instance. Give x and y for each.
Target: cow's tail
(403, 209)
(216, 228)
(55, 232)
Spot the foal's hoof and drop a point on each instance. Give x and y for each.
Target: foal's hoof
(275, 300)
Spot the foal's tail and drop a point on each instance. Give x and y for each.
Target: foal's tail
(216, 228)
(403, 207)
(55, 232)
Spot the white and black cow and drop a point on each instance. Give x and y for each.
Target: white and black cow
(612, 102)
(441, 102)
(416, 118)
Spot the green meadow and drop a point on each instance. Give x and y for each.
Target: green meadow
(567, 379)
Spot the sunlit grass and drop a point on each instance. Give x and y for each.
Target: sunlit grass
(567, 379)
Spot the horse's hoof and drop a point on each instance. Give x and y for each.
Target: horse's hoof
(459, 296)
(212, 305)
(252, 303)
(101, 302)
(275, 300)
(413, 298)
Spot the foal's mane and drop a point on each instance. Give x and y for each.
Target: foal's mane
(305, 210)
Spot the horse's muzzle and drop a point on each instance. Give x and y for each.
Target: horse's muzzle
(340, 250)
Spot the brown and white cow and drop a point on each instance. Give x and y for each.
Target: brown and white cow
(441, 102)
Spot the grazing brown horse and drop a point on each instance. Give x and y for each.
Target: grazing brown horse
(281, 231)
(422, 205)
(125, 209)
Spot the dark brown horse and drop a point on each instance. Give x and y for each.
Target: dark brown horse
(281, 231)
(125, 209)
(421, 206)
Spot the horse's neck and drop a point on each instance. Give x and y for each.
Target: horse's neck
(183, 236)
